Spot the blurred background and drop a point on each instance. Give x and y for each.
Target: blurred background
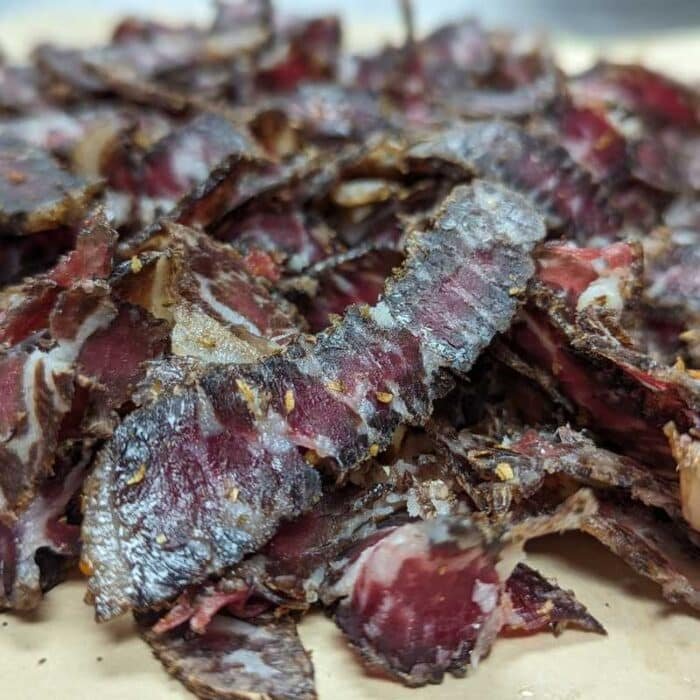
(662, 33)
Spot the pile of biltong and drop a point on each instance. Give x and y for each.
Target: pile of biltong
(284, 328)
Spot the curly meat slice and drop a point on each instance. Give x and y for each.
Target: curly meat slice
(220, 462)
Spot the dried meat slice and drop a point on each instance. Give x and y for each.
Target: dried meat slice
(533, 165)
(356, 277)
(533, 604)
(221, 309)
(218, 310)
(25, 309)
(574, 337)
(238, 659)
(228, 450)
(660, 550)
(495, 475)
(272, 225)
(639, 91)
(429, 596)
(305, 51)
(36, 194)
(40, 527)
(292, 569)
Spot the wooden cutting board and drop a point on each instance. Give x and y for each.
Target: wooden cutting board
(652, 651)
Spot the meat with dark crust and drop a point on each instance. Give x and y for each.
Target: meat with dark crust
(238, 660)
(226, 448)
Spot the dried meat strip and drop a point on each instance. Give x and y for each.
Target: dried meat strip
(41, 527)
(219, 311)
(660, 550)
(641, 92)
(227, 449)
(36, 194)
(238, 659)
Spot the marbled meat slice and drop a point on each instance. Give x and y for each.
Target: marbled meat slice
(238, 659)
(25, 309)
(218, 310)
(220, 463)
(217, 300)
(428, 596)
(36, 194)
(639, 91)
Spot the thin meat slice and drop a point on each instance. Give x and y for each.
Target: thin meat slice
(429, 596)
(25, 309)
(639, 91)
(356, 277)
(217, 309)
(36, 194)
(221, 461)
(280, 228)
(534, 604)
(237, 659)
(660, 550)
(575, 336)
(40, 528)
(495, 475)
(222, 309)
(533, 165)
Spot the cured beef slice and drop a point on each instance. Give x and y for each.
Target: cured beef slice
(35, 192)
(427, 597)
(203, 476)
(238, 660)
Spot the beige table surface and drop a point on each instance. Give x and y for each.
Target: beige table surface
(652, 651)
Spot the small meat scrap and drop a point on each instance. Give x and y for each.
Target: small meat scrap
(533, 603)
(36, 193)
(238, 659)
(233, 429)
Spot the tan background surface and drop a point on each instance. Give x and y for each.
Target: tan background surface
(652, 651)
